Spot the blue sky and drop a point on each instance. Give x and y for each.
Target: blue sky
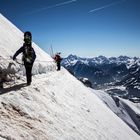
(87, 28)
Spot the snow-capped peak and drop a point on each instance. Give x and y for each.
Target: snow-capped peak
(103, 60)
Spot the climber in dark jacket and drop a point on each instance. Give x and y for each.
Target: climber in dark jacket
(58, 60)
(29, 55)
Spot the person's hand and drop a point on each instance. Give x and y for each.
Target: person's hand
(14, 58)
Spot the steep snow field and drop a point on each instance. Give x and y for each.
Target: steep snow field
(11, 39)
(56, 106)
(118, 106)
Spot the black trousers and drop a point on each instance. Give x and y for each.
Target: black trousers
(58, 66)
(28, 68)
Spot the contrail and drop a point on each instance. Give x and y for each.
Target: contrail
(52, 6)
(106, 6)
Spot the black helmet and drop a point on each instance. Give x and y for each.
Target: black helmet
(27, 37)
(27, 33)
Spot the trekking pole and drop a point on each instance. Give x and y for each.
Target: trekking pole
(52, 51)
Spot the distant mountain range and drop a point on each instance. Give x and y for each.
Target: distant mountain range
(105, 72)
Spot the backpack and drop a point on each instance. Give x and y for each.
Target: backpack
(28, 54)
(57, 58)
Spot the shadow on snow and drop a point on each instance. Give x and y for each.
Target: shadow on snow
(13, 88)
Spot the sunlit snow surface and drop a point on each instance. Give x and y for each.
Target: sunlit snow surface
(56, 106)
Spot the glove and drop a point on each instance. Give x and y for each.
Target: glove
(14, 58)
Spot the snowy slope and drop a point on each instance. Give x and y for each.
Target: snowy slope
(56, 106)
(50, 109)
(11, 39)
(133, 109)
(116, 104)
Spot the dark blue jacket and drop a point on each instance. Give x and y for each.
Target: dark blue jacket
(23, 50)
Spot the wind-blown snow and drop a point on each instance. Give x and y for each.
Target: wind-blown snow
(56, 106)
